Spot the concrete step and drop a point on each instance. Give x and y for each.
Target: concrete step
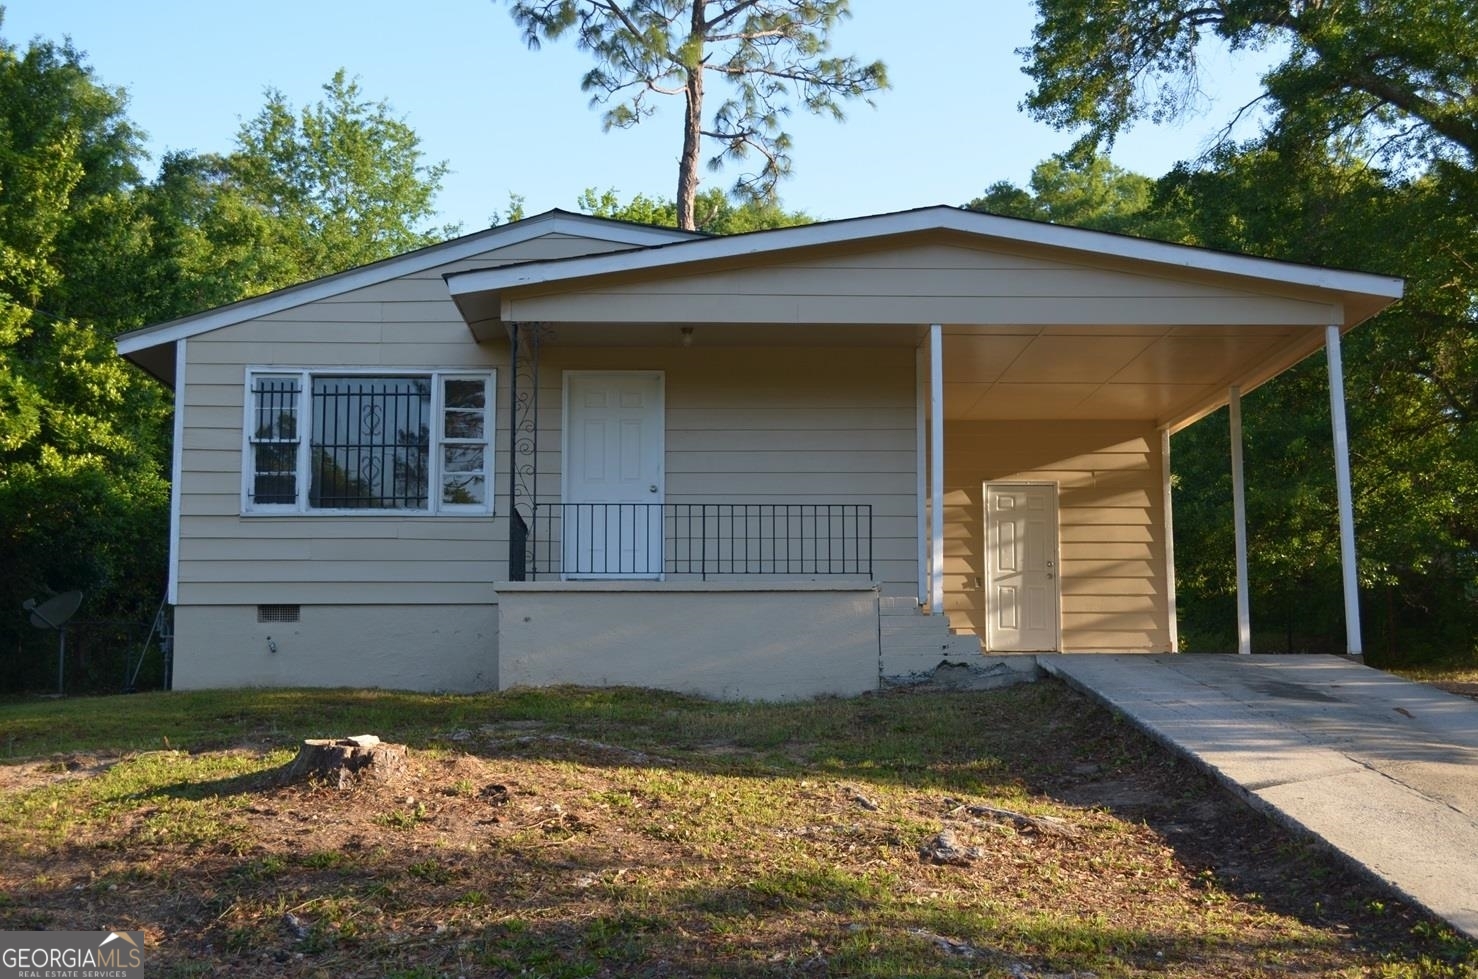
(912, 642)
(894, 606)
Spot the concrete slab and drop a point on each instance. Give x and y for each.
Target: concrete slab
(1383, 770)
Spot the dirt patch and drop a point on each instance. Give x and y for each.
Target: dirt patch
(1466, 688)
(59, 768)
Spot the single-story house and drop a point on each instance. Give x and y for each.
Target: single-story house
(775, 464)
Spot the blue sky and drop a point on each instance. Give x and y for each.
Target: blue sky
(510, 120)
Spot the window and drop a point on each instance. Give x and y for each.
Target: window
(404, 441)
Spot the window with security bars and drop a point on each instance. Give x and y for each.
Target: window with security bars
(415, 441)
(273, 433)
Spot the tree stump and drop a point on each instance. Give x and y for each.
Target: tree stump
(344, 761)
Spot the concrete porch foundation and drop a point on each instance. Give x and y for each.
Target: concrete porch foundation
(727, 640)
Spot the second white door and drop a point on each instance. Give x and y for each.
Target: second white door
(1022, 585)
(613, 474)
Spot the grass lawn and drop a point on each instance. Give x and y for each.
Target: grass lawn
(566, 833)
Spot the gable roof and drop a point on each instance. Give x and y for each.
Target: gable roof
(1364, 293)
(142, 345)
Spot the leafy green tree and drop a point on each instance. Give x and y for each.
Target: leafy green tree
(340, 184)
(713, 211)
(1399, 77)
(1085, 192)
(770, 52)
(303, 194)
(83, 501)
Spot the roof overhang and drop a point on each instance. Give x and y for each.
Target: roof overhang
(480, 293)
(1224, 319)
(151, 348)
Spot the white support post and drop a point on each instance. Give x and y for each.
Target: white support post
(1239, 522)
(921, 467)
(1343, 491)
(1173, 625)
(936, 467)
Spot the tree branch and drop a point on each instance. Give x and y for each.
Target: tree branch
(725, 16)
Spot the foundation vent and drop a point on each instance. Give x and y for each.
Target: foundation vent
(279, 613)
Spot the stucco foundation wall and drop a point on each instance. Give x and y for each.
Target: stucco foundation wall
(401, 647)
(727, 644)
(1111, 524)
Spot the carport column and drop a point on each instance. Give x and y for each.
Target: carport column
(936, 468)
(1342, 489)
(1165, 490)
(1239, 523)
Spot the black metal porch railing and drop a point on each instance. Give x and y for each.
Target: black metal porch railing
(636, 540)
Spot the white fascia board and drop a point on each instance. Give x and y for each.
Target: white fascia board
(939, 218)
(552, 222)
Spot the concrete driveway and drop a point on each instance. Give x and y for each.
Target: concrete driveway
(1384, 770)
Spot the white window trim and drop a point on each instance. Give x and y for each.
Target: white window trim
(437, 375)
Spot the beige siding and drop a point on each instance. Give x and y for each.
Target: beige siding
(748, 425)
(226, 558)
(742, 425)
(924, 283)
(1111, 519)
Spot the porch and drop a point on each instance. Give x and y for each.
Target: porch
(992, 399)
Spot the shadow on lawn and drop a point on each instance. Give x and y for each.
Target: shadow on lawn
(1034, 745)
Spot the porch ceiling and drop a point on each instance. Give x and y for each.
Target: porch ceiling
(1168, 375)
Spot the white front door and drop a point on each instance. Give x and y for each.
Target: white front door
(1021, 588)
(611, 523)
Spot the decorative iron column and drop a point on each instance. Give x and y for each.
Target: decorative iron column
(524, 341)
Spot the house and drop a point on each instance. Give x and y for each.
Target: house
(769, 465)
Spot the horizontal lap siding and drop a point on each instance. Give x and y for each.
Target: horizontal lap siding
(1111, 525)
(750, 425)
(744, 425)
(227, 558)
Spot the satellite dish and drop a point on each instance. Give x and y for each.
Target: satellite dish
(53, 614)
(55, 611)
